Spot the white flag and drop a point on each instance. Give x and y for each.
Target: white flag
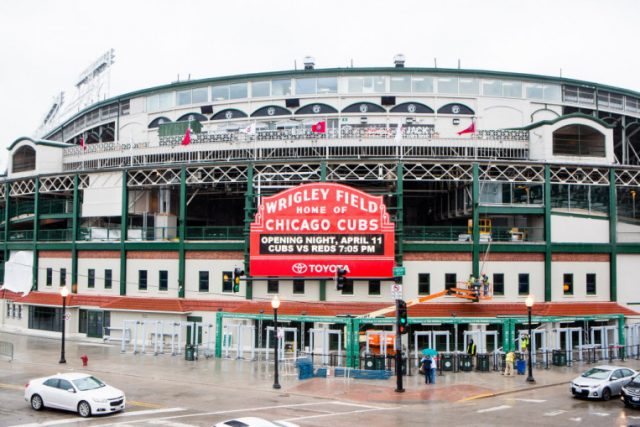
(398, 137)
(18, 272)
(249, 130)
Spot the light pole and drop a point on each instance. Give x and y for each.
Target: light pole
(275, 303)
(529, 302)
(63, 292)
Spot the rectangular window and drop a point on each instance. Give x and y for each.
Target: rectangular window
(400, 84)
(523, 284)
(63, 277)
(450, 280)
(260, 89)
(281, 87)
(448, 85)
(567, 284)
(327, 85)
(498, 284)
(422, 84)
(591, 284)
(142, 280)
(220, 93)
(306, 86)
(184, 97)
(108, 277)
(512, 89)
(298, 286)
(49, 276)
(534, 90)
(424, 283)
(203, 281)
(348, 287)
(469, 86)
(492, 88)
(374, 287)
(91, 278)
(273, 286)
(163, 280)
(200, 95)
(227, 281)
(167, 100)
(238, 91)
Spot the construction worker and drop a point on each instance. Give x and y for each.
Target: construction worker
(485, 285)
(524, 344)
(508, 364)
(471, 351)
(470, 282)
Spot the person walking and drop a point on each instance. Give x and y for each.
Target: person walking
(508, 364)
(425, 368)
(434, 369)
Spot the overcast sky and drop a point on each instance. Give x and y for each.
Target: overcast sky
(45, 45)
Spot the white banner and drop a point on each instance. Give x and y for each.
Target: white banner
(18, 272)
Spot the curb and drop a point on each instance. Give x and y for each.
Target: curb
(505, 392)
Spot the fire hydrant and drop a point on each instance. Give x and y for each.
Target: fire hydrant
(85, 360)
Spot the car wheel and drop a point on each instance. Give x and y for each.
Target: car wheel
(84, 409)
(36, 402)
(606, 394)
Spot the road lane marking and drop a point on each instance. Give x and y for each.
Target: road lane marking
(601, 414)
(477, 396)
(554, 413)
(143, 404)
(333, 414)
(495, 408)
(169, 423)
(79, 420)
(576, 419)
(531, 400)
(11, 386)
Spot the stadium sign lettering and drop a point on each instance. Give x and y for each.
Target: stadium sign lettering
(312, 229)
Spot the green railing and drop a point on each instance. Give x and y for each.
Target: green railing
(58, 235)
(152, 233)
(435, 233)
(55, 206)
(462, 234)
(22, 208)
(215, 233)
(21, 235)
(99, 233)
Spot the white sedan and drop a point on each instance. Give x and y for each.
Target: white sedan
(81, 393)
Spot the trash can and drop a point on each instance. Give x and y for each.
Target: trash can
(189, 352)
(447, 362)
(465, 363)
(559, 358)
(374, 362)
(483, 362)
(521, 366)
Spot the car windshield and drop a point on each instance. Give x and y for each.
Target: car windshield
(597, 374)
(635, 382)
(88, 383)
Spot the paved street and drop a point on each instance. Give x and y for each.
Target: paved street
(169, 391)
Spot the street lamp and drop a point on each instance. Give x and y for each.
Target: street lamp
(529, 302)
(63, 292)
(275, 303)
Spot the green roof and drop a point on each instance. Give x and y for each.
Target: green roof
(565, 117)
(352, 71)
(44, 142)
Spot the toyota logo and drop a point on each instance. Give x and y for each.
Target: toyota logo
(299, 268)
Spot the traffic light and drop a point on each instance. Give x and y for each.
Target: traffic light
(341, 278)
(403, 321)
(237, 273)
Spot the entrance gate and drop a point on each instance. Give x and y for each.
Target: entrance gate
(432, 339)
(238, 330)
(324, 337)
(481, 339)
(538, 343)
(281, 347)
(633, 339)
(603, 337)
(383, 340)
(569, 335)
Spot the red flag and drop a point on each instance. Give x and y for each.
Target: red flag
(187, 137)
(82, 143)
(320, 127)
(470, 129)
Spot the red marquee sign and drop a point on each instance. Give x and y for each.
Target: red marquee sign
(313, 229)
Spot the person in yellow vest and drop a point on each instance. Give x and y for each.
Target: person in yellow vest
(524, 345)
(508, 364)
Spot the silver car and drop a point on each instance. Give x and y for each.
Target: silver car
(601, 382)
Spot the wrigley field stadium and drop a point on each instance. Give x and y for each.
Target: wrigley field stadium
(174, 215)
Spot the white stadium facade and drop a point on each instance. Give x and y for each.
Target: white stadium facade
(145, 204)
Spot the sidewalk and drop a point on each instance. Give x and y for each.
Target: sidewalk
(40, 355)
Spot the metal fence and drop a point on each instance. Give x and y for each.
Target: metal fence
(6, 349)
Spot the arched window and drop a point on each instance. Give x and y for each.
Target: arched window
(158, 121)
(24, 159)
(578, 140)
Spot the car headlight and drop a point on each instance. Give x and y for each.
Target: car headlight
(99, 399)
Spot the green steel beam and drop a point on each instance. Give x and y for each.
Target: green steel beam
(322, 284)
(74, 234)
(613, 237)
(124, 218)
(218, 350)
(511, 210)
(7, 216)
(621, 338)
(182, 228)
(36, 233)
(548, 256)
(248, 218)
(323, 171)
(399, 213)
(476, 220)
